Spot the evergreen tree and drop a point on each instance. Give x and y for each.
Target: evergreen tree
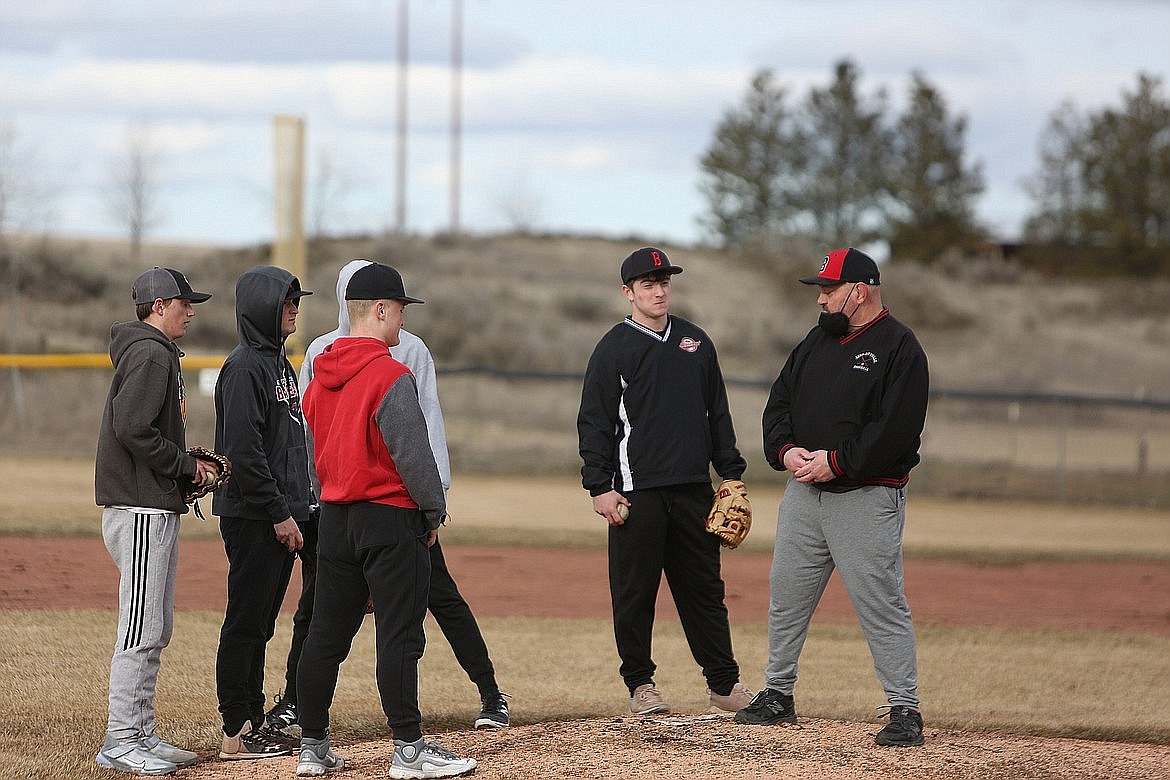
(753, 156)
(1102, 191)
(847, 151)
(931, 190)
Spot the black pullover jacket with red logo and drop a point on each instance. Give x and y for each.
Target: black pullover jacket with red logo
(654, 411)
(861, 397)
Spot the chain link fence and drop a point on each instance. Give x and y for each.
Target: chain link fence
(978, 444)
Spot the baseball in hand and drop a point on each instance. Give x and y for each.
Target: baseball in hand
(624, 511)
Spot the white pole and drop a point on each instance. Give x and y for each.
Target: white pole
(456, 108)
(400, 173)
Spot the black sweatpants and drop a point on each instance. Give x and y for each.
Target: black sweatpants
(367, 549)
(304, 614)
(259, 569)
(459, 626)
(446, 603)
(666, 532)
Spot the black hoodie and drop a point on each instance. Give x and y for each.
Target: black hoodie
(258, 423)
(141, 450)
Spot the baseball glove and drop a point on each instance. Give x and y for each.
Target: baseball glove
(193, 492)
(731, 513)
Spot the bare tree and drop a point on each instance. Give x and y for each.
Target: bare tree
(132, 198)
(25, 198)
(520, 205)
(24, 206)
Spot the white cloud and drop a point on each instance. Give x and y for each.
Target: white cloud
(591, 102)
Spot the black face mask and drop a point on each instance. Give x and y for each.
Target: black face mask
(836, 324)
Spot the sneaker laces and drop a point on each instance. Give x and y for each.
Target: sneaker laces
(769, 700)
(438, 750)
(496, 702)
(901, 717)
(895, 711)
(265, 736)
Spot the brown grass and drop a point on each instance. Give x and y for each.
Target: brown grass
(54, 496)
(974, 680)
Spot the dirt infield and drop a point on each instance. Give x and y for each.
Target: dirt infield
(1127, 596)
(713, 748)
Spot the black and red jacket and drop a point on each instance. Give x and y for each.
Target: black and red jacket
(861, 397)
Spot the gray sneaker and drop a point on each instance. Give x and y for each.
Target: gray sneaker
(160, 748)
(132, 757)
(317, 759)
(427, 759)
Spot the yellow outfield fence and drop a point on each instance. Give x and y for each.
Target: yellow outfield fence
(977, 443)
(102, 360)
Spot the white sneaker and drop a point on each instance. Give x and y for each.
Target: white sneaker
(160, 748)
(422, 759)
(132, 757)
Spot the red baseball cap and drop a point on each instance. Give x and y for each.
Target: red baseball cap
(845, 265)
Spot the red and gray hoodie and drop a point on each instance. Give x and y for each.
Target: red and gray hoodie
(367, 432)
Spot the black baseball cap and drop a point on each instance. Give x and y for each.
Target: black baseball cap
(644, 261)
(295, 293)
(845, 265)
(165, 283)
(377, 282)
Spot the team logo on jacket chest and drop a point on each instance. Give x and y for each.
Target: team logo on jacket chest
(286, 390)
(864, 361)
(688, 344)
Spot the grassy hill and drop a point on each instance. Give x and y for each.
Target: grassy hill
(540, 304)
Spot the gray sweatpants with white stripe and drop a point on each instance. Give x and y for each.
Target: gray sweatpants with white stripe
(145, 548)
(858, 533)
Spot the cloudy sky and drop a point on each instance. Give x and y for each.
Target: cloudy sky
(584, 116)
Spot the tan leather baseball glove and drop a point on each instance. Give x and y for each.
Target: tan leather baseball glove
(731, 513)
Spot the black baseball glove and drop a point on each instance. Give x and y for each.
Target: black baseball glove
(193, 492)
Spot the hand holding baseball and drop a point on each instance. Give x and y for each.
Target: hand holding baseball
(609, 505)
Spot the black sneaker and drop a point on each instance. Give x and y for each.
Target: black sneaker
(903, 730)
(768, 708)
(494, 714)
(283, 718)
(248, 744)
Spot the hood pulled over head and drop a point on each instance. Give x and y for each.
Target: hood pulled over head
(260, 296)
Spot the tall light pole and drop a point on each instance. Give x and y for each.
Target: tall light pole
(456, 108)
(400, 173)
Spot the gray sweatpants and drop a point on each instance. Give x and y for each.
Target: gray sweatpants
(145, 548)
(860, 534)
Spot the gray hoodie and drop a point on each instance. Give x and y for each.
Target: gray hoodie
(142, 446)
(411, 352)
